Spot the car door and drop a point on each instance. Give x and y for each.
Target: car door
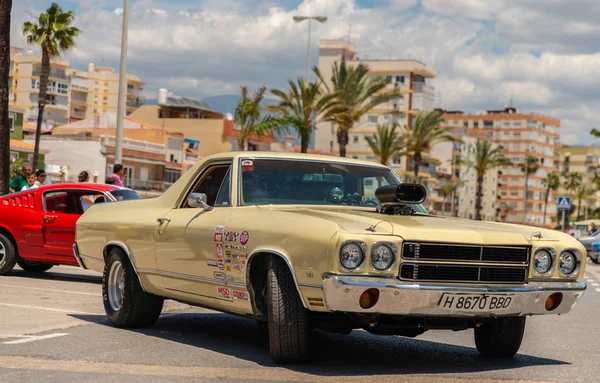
(189, 241)
(62, 209)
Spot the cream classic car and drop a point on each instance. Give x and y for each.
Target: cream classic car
(304, 242)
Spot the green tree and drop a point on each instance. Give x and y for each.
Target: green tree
(530, 166)
(301, 106)
(16, 169)
(426, 133)
(54, 34)
(249, 119)
(582, 193)
(572, 182)
(354, 94)
(387, 143)
(551, 183)
(447, 190)
(483, 157)
(5, 8)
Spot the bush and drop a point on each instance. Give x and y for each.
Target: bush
(15, 169)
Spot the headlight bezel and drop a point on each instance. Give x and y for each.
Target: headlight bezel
(362, 246)
(552, 253)
(576, 253)
(393, 249)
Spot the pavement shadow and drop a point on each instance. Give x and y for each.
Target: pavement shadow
(357, 354)
(57, 276)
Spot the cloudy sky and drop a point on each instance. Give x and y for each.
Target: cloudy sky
(544, 53)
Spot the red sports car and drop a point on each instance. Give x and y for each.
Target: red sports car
(37, 227)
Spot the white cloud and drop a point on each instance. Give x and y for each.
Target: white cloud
(544, 54)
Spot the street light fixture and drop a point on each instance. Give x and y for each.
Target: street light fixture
(299, 19)
(122, 86)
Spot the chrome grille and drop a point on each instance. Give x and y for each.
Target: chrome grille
(491, 264)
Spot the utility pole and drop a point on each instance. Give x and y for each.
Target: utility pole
(122, 86)
(299, 19)
(525, 198)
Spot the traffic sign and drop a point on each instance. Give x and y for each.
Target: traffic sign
(564, 203)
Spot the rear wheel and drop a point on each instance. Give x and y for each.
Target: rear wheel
(500, 337)
(8, 254)
(289, 330)
(34, 267)
(125, 302)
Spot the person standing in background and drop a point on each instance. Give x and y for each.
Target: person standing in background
(18, 183)
(118, 174)
(96, 175)
(40, 176)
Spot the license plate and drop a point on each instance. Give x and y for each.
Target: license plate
(475, 302)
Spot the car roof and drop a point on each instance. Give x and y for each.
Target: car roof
(73, 185)
(294, 156)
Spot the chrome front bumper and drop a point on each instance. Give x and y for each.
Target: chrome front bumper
(342, 293)
(77, 256)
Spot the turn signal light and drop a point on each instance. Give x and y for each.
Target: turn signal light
(369, 298)
(553, 301)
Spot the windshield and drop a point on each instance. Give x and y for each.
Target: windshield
(124, 194)
(268, 181)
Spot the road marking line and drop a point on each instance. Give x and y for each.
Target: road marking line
(34, 338)
(49, 309)
(53, 290)
(598, 290)
(595, 284)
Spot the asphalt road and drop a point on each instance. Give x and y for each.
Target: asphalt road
(53, 329)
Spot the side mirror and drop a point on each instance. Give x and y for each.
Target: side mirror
(198, 200)
(403, 193)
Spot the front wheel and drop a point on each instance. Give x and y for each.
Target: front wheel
(289, 330)
(500, 337)
(8, 254)
(125, 302)
(34, 267)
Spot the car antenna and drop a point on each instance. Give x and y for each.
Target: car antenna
(372, 227)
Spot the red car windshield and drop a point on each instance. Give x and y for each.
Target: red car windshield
(124, 194)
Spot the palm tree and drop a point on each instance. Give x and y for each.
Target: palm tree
(551, 182)
(531, 165)
(583, 193)
(249, 119)
(301, 106)
(447, 190)
(572, 182)
(5, 8)
(354, 95)
(54, 34)
(387, 143)
(483, 157)
(426, 133)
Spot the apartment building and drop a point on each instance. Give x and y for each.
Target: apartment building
(584, 160)
(72, 94)
(407, 76)
(519, 134)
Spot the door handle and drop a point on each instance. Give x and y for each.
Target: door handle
(161, 221)
(49, 218)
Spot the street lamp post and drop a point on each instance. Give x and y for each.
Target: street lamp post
(299, 19)
(122, 86)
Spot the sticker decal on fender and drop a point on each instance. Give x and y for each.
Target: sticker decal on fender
(212, 262)
(244, 237)
(220, 229)
(218, 237)
(219, 250)
(224, 292)
(239, 295)
(219, 275)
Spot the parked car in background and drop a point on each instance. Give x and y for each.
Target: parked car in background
(594, 252)
(588, 241)
(37, 226)
(302, 242)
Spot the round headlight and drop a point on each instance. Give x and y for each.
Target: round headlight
(542, 261)
(382, 257)
(567, 262)
(351, 255)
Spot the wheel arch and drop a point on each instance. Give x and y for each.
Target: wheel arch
(123, 247)
(4, 230)
(256, 280)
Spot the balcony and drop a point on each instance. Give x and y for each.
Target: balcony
(77, 100)
(135, 102)
(422, 87)
(77, 114)
(80, 88)
(143, 146)
(53, 73)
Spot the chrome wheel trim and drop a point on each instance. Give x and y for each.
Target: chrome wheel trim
(116, 286)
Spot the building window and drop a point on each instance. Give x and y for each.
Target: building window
(517, 123)
(396, 161)
(172, 175)
(400, 79)
(466, 124)
(507, 123)
(11, 122)
(14, 156)
(476, 124)
(372, 120)
(388, 78)
(355, 139)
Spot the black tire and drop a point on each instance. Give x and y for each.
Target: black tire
(34, 267)
(289, 331)
(137, 308)
(500, 337)
(8, 254)
(596, 261)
